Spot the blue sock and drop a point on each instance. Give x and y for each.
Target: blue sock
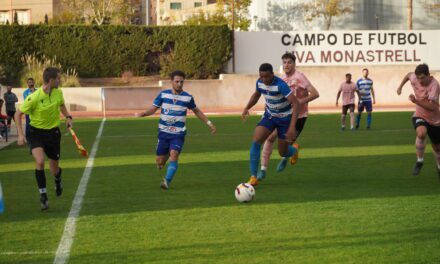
(290, 151)
(171, 170)
(369, 120)
(255, 158)
(358, 119)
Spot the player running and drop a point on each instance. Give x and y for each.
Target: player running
(305, 92)
(281, 114)
(426, 119)
(43, 107)
(348, 88)
(172, 124)
(365, 88)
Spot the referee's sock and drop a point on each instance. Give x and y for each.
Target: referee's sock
(41, 180)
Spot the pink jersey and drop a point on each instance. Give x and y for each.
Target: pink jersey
(348, 90)
(298, 83)
(431, 93)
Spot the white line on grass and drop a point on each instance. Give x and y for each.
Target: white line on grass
(63, 251)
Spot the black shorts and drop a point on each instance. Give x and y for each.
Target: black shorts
(433, 131)
(346, 107)
(48, 139)
(300, 125)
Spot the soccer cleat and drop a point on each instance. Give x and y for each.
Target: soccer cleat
(342, 129)
(261, 175)
(294, 158)
(44, 202)
(58, 187)
(417, 168)
(368, 128)
(164, 185)
(253, 181)
(282, 165)
(357, 127)
(438, 173)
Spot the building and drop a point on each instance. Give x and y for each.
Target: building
(27, 11)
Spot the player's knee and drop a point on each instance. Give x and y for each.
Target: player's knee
(421, 135)
(39, 164)
(174, 155)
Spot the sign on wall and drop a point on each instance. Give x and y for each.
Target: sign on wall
(338, 48)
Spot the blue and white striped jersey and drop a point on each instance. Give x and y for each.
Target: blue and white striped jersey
(364, 87)
(275, 94)
(174, 109)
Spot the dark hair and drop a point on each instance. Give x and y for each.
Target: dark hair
(348, 74)
(289, 55)
(365, 69)
(50, 73)
(30, 79)
(177, 73)
(422, 69)
(266, 67)
(1, 100)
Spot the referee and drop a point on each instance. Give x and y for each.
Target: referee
(43, 107)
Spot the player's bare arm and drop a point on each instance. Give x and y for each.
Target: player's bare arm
(69, 119)
(148, 112)
(337, 96)
(372, 93)
(291, 132)
(425, 103)
(21, 140)
(252, 101)
(203, 117)
(403, 82)
(313, 94)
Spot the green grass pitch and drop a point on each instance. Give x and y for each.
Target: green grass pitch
(350, 199)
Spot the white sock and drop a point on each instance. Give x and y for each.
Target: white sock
(263, 168)
(438, 166)
(42, 190)
(420, 159)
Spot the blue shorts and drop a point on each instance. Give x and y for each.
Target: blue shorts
(365, 104)
(271, 123)
(167, 142)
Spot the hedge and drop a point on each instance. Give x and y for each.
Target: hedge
(107, 51)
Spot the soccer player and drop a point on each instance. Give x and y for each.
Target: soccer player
(172, 124)
(43, 107)
(26, 93)
(365, 88)
(10, 100)
(281, 113)
(348, 88)
(426, 119)
(305, 92)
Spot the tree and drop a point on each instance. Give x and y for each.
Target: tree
(279, 18)
(15, 18)
(431, 7)
(223, 15)
(95, 12)
(327, 9)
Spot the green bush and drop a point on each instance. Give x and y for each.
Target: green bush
(108, 51)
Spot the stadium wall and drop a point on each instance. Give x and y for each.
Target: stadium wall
(231, 92)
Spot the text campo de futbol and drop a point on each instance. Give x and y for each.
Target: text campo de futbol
(350, 40)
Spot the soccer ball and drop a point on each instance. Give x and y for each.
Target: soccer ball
(244, 193)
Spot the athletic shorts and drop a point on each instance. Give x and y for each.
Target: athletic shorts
(167, 142)
(48, 139)
(368, 105)
(433, 131)
(280, 124)
(346, 107)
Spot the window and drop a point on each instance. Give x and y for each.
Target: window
(176, 6)
(197, 4)
(23, 17)
(212, 2)
(4, 16)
